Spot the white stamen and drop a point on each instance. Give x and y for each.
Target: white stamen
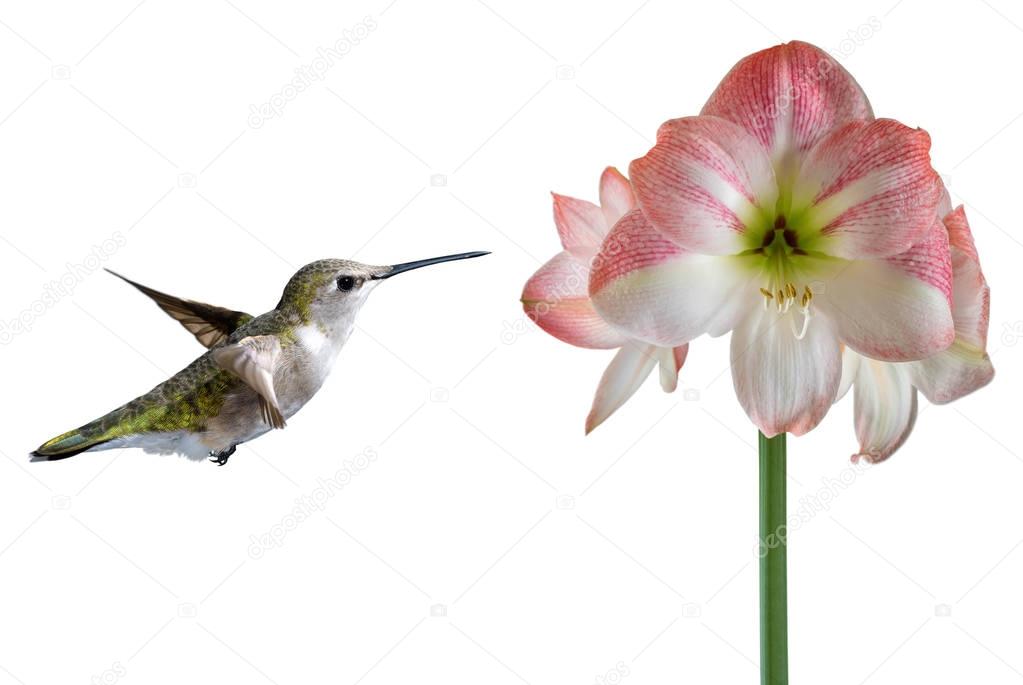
(784, 298)
(806, 324)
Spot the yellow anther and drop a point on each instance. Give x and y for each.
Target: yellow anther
(784, 296)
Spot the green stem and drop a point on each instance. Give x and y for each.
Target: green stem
(774, 657)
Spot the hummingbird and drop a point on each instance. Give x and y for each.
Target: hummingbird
(258, 371)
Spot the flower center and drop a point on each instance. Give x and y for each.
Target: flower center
(782, 287)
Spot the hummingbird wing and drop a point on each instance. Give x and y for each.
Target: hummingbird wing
(253, 360)
(208, 323)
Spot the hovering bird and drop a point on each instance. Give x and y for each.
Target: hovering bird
(258, 372)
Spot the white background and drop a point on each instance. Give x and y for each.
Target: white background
(443, 130)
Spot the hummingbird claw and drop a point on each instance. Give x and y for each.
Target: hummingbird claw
(220, 458)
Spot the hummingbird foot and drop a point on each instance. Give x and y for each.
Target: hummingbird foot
(220, 458)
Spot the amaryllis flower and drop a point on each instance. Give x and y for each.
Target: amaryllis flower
(556, 297)
(794, 219)
(885, 394)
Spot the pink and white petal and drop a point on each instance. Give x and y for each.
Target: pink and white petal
(965, 365)
(784, 384)
(944, 200)
(850, 367)
(789, 96)
(971, 297)
(959, 234)
(971, 301)
(952, 374)
(651, 289)
(894, 309)
(623, 376)
(868, 190)
(616, 196)
(556, 299)
(929, 260)
(671, 360)
(704, 184)
(581, 224)
(885, 409)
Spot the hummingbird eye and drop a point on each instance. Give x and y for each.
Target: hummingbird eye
(346, 283)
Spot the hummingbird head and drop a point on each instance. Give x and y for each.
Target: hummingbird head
(335, 289)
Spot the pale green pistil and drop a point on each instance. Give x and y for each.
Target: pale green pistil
(781, 287)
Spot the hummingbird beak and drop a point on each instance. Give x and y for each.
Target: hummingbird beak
(409, 266)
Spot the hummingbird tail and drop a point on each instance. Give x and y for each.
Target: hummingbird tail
(69, 444)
